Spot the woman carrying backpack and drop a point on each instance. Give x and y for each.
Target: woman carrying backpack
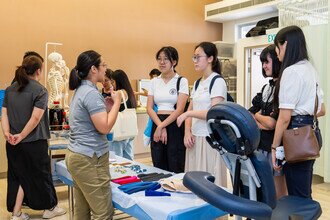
(200, 156)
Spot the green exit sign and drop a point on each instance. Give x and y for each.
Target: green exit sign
(270, 38)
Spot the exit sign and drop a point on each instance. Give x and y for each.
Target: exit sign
(270, 38)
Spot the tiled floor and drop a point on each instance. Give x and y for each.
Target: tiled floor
(321, 193)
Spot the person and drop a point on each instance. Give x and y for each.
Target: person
(26, 54)
(107, 87)
(295, 93)
(200, 156)
(167, 147)
(263, 112)
(153, 73)
(26, 130)
(120, 82)
(87, 159)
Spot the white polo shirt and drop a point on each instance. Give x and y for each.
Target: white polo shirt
(298, 89)
(165, 94)
(201, 99)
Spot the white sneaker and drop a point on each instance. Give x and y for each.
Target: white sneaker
(22, 216)
(57, 211)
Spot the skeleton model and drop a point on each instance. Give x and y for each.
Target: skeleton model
(58, 78)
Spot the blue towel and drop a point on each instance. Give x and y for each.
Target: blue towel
(147, 131)
(149, 192)
(136, 187)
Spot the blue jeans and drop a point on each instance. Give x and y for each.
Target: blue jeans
(123, 148)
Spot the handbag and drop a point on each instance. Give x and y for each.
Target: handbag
(125, 126)
(301, 144)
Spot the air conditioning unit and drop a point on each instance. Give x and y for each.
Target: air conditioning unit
(237, 9)
(225, 50)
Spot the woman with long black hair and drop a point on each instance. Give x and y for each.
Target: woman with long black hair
(296, 90)
(263, 112)
(120, 83)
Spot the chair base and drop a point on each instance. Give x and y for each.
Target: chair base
(296, 208)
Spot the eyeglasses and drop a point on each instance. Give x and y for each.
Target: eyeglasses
(195, 58)
(163, 60)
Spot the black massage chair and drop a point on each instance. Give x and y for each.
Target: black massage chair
(235, 134)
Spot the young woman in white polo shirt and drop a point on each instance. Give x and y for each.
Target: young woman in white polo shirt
(167, 148)
(295, 93)
(200, 156)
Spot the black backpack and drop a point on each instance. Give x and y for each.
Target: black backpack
(229, 97)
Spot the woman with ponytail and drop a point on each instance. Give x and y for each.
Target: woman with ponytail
(169, 92)
(90, 121)
(26, 130)
(199, 155)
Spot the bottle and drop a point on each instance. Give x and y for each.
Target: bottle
(56, 123)
(55, 120)
(65, 125)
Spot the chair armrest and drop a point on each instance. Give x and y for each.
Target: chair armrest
(201, 183)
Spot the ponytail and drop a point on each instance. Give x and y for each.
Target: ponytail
(216, 66)
(80, 72)
(29, 67)
(21, 78)
(74, 79)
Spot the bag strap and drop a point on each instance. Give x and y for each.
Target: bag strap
(197, 83)
(123, 97)
(178, 84)
(316, 106)
(213, 81)
(211, 84)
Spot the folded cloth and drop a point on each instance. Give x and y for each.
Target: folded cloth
(138, 186)
(126, 180)
(155, 177)
(143, 176)
(149, 192)
(174, 185)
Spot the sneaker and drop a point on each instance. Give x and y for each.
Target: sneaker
(22, 216)
(51, 213)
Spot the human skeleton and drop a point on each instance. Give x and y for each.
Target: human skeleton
(58, 79)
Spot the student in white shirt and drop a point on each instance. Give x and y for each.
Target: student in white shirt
(167, 147)
(295, 93)
(200, 156)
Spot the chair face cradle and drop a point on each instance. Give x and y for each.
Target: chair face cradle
(235, 134)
